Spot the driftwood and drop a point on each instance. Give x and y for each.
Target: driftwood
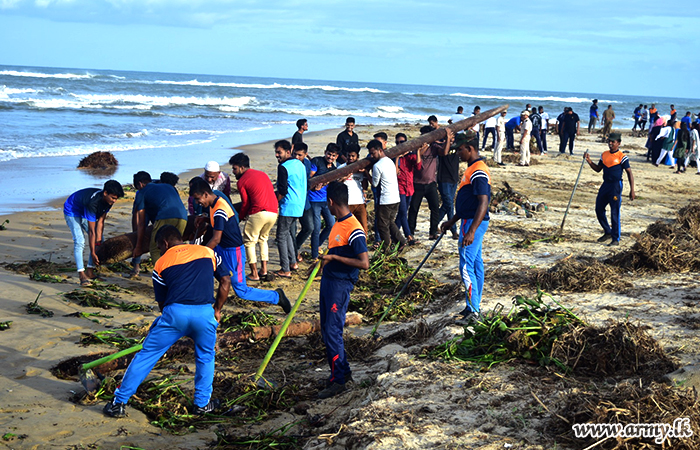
(409, 146)
(224, 340)
(121, 247)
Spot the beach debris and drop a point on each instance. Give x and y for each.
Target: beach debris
(386, 275)
(629, 402)
(88, 316)
(580, 274)
(666, 246)
(35, 308)
(527, 331)
(616, 349)
(98, 160)
(46, 278)
(103, 299)
(111, 337)
(508, 201)
(5, 325)
(41, 266)
(3, 226)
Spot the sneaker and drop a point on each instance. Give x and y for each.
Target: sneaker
(332, 390)
(604, 237)
(208, 408)
(467, 319)
(614, 244)
(283, 301)
(114, 409)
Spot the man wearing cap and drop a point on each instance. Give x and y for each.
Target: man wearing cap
(526, 127)
(217, 179)
(472, 207)
(568, 129)
(612, 163)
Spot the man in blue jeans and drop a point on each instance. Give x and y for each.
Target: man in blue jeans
(472, 207)
(183, 281)
(447, 179)
(85, 211)
(291, 195)
(317, 196)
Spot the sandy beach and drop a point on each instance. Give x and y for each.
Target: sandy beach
(398, 399)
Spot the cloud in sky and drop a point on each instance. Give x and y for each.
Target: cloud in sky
(594, 46)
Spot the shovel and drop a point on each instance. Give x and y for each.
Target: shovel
(92, 381)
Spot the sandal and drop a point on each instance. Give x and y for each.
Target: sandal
(86, 283)
(281, 274)
(250, 278)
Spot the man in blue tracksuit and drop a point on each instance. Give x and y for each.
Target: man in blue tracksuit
(472, 207)
(227, 242)
(183, 280)
(612, 163)
(347, 254)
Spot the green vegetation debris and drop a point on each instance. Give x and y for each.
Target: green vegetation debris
(527, 331)
(5, 325)
(46, 278)
(110, 337)
(243, 321)
(3, 225)
(103, 299)
(35, 308)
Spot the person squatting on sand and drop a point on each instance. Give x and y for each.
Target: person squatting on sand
(227, 242)
(612, 162)
(291, 195)
(471, 207)
(160, 204)
(259, 210)
(85, 212)
(347, 254)
(183, 282)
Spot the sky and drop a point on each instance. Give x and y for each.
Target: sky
(612, 46)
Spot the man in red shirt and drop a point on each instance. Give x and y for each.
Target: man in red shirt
(259, 209)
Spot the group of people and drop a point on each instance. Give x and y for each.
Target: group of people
(674, 142)
(184, 273)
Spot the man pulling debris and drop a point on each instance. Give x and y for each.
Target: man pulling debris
(183, 281)
(612, 163)
(472, 206)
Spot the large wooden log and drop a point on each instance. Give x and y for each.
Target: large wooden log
(406, 147)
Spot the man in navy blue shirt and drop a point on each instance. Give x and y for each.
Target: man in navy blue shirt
(85, 211)
(568, 129)
(512, 126)
(158, 203)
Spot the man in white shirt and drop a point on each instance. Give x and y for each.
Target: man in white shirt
(385, 180)
(501, 134)
(456, 117)
(545, 127)
(477, 126)
(356, 184)
(526, 127)
(489, 128)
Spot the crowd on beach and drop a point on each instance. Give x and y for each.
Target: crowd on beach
(302, 209)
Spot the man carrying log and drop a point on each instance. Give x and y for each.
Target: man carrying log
(471, 206)
(347, 254)
(228, 243)
(183, 280)
(612, 162)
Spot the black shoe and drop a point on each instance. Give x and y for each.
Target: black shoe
(501, 164)
(467, 319)
(614, 244)
(208, 408)
(332, 390)
(604, 237)
(283, 301)
(113, 409)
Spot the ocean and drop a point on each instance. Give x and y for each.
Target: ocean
(52, 117)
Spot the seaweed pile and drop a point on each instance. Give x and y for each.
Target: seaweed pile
(99, 161)
(385, 277)
(580, 274)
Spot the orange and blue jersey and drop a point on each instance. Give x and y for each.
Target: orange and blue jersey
(475, 181)
(347, 239)
(613, 165)
(185, 275)
(223, 218)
